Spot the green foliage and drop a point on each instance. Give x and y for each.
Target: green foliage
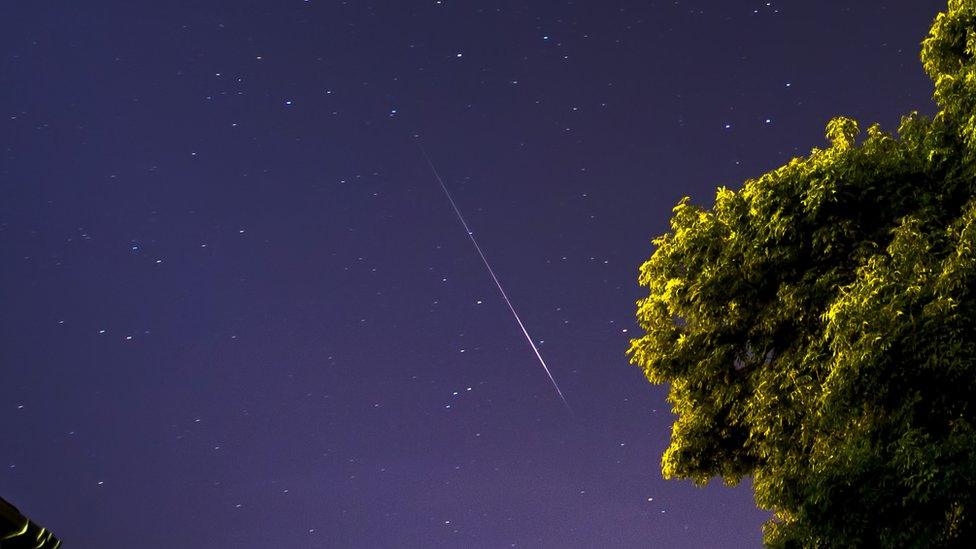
(817, 328)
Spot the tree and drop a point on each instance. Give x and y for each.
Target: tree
(817, 327)
(17, 532)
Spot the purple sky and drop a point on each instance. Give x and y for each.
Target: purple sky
(238, 310)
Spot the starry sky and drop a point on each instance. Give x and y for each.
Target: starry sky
(239, 311)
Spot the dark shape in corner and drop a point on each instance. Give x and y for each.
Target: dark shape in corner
(18, 532)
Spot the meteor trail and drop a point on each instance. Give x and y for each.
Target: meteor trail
(493, 277)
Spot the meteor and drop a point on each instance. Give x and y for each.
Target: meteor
(491, 272)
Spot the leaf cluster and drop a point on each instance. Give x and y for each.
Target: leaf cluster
(817, 327)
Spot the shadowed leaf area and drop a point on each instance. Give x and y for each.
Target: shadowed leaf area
(17, 532)
(817, 328)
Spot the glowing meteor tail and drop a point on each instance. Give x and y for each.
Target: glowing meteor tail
(494, 277)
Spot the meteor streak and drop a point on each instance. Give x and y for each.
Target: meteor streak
(494, 277)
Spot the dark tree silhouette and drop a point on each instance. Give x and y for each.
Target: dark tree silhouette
(17, 532)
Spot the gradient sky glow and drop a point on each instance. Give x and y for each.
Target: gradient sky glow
(238, 310)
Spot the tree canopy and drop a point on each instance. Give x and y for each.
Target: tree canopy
(817, 327)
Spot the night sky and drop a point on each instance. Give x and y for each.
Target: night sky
(239, 311)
